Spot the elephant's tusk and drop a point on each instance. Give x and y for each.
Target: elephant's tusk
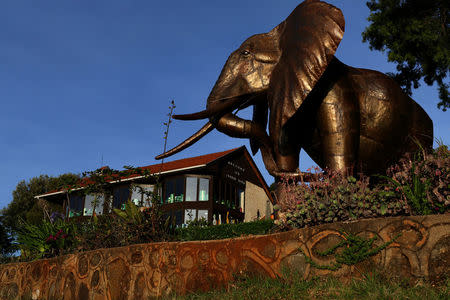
(221, 106)
(208, 127)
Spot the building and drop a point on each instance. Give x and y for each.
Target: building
(213, 187)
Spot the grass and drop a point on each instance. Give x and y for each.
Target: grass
(293, 286)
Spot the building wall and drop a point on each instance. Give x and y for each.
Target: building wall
(256, 198)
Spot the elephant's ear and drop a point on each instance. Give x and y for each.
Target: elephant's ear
(308, 39)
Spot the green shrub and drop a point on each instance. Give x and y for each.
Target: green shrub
(334, 197)
(416, 186)
(423, 180)
(223, 231)
(121, 229)
(47, 239)
(131, 214)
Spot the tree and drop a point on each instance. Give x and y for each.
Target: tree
(415, 35)
(6, 246)
(24, 205)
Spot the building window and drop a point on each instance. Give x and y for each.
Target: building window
(174, 189)
(141, 194)
(191, 189)
(231, 195)
(189, 215)
(202, 214)
(203, 189)
(120, 196)
(91, 201)
(241, 195)
(197, 189)
(75, 205)
(178, 215)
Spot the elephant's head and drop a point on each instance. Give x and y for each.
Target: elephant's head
(275, 70)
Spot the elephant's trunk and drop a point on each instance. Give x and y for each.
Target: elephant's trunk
(188, 142)
(221, 106)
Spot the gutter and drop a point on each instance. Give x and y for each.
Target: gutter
(122, 180)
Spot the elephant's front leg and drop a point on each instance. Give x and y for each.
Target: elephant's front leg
(339, 128)
(234, 126)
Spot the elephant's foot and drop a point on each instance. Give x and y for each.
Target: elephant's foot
(297, 176)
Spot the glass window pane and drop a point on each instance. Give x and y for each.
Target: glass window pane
(170, 190)
(136, 195)
(227, 193)
(75, 204)
(120, 196)
(160, 194)
(191, 189)
(203, 189)
(202, 214)
(91, 201)
(148, 194)
(179, 189)
(241, 199)
(141, 194)
(178, 215)
(189, 215)
(222, 196)
(174, 190)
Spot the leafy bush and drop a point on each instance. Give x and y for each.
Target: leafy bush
(336, 197)
(124, 228)
(50, 238)
(131, 213)
(424, 181)
(418, 185)
(223, 231)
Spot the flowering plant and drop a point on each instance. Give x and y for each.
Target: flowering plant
(417, 185)
(332, 196)
(46, 239)
(423, 180)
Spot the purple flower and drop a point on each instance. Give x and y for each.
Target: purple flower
(56, 215)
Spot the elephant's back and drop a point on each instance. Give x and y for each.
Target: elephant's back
(390, 119)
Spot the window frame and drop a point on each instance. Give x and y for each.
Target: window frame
(174, 178)
(185, 176)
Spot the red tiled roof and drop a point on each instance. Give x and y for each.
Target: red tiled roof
(169, 166)
(186, 162)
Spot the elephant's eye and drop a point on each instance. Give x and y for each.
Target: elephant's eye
(245, 52)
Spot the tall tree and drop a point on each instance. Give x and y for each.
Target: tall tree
(415, 35)
(6, 246)
(24, 205)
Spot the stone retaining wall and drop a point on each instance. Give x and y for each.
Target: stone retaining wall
(140, 271)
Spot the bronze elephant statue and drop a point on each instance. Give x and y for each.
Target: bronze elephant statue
(343, 117)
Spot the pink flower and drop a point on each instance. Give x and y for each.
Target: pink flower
(438, 172)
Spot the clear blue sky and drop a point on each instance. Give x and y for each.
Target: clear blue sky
(82, 80)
